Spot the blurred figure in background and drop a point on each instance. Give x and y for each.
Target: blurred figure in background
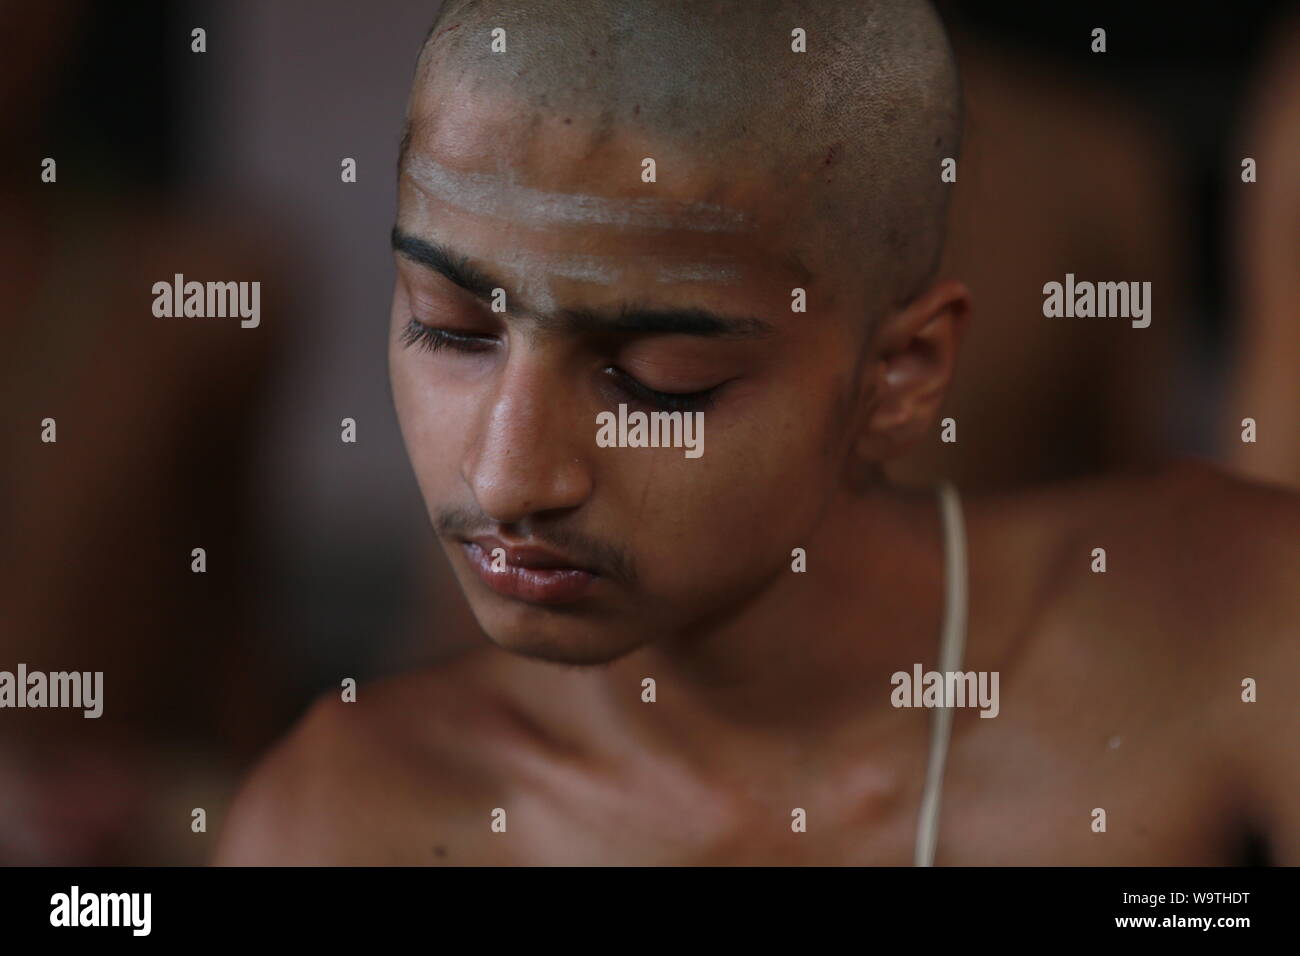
(1266, 221)
(154, 421)
(1057, 176)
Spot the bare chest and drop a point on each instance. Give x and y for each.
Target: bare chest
(1010, 796)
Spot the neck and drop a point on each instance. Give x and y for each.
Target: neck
(810, 659)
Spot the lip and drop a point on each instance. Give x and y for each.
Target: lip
(532, 574)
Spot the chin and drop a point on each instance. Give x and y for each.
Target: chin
(559, 640)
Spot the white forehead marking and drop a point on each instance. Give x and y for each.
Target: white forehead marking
(537, 268)
(500, 196)
(534, 272)
(598, 269)
(533, 279)
(698, 272)
(609, 269)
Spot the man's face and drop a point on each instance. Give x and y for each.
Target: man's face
(607, 548)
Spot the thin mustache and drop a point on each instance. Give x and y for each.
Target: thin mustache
(607, 558)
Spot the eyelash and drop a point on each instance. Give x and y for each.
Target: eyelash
(426, 337)
(665, 401)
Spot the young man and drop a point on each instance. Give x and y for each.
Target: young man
(706, 652)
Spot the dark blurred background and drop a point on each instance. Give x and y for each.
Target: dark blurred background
(320, 564)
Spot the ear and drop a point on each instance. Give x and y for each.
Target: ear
(913, 357)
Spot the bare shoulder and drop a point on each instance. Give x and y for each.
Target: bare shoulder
(1176, 582)
(1224, 556)
(1224, 549)
(1171, 598)
(1191, 539)
(400, 776)
(1240, 596)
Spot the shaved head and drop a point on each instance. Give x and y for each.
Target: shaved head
(849, 134)
(721, 208)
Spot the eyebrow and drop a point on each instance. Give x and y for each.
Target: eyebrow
(626, 318)
(442, 260)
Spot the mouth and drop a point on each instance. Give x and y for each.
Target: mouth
(529, 573)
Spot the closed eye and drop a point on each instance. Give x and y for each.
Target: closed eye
(430, 339)
(667, 401)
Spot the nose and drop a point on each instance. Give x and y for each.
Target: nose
(530, 454)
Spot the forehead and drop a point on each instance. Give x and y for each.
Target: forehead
(500, 172)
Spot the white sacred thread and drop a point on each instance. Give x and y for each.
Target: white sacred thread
(952, 646)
